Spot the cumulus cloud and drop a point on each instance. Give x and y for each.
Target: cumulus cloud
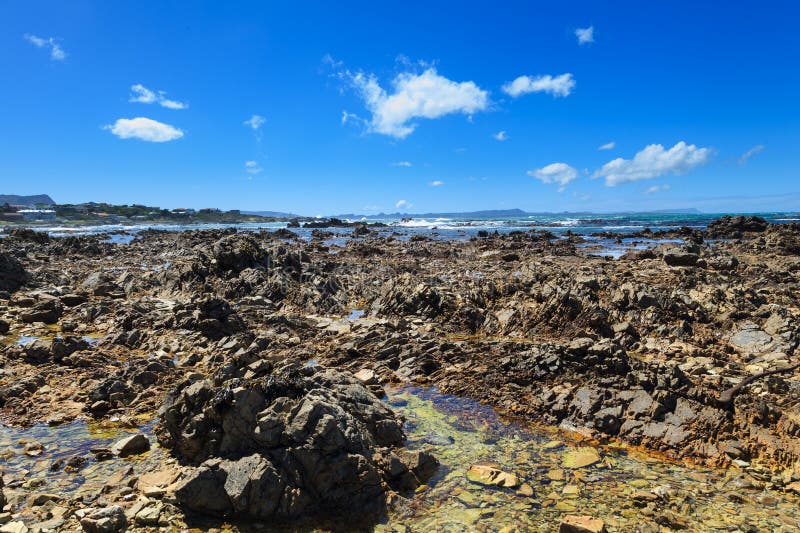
(561, 85)
(585, 35)
(402, 164)
(560, 173)
(402, 204)
(755, 150)
(252, 167)
(56, 52)
(657, 188)
(654, 161)
(607, 146)
(255, 122)
(143, 95)
(501, 136)
(412, 96)
(144, 129)
(436, 183)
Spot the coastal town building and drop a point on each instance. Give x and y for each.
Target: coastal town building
(37, 214)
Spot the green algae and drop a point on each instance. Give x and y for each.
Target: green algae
(610, 485)
(625, 491)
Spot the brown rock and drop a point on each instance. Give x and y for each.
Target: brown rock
(581, 524)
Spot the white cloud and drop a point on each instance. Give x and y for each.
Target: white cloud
(657, 188)
(403, 204)
(402, 164)
(252, 167)
(556, 85)
(501, 136)
(255, 122)
(607, 146)
(436, 183)
(144, 129)
(755, 150)
(653, 161)
(143, 95)
(560, 173)
(171, 104)
(425, 95)
(56, 52)
(585, 35)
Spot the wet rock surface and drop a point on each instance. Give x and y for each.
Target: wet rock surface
(641, 350)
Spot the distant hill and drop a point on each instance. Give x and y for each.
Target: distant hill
(508, 213)
(273, 214)
(32, 200)
(491, 213)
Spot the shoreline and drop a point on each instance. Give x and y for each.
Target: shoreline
(638, 350)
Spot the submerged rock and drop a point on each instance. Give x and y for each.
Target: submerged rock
(581, 524)
(491, 474)
(580, 457)
(292, 443)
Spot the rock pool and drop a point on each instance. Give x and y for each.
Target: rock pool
(553, 478)
(628, 491)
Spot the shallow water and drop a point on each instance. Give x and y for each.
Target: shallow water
(461, 432)
(62, 446)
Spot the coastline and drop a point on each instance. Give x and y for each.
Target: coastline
(540, 326)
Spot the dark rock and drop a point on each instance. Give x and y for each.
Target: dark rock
(12, 274)
(29, 235)
(734, 226)
(48, 311)
(679, 257)
(133, 445)
(72, 300)
(292, 443)
(103, 520)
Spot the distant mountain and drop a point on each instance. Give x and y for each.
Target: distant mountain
(14, 199)
(686, 211)
(491, 213)
(509, 213)
(274, 214)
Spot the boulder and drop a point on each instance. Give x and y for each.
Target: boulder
(288, 443)
(47, 311)
(103, 520)
(734, 226)
(133, 445)
(680, 257)
(12, 274)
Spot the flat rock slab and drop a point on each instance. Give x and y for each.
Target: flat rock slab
(580, 457)
(581, 524)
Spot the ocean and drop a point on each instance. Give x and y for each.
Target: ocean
(457, 227)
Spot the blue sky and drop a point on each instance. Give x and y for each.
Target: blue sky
(367, 106)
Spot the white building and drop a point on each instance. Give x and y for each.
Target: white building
(37, 214)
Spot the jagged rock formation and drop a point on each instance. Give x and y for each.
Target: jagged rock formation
(288, 443)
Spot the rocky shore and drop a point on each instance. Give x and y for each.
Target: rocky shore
(262, 358)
